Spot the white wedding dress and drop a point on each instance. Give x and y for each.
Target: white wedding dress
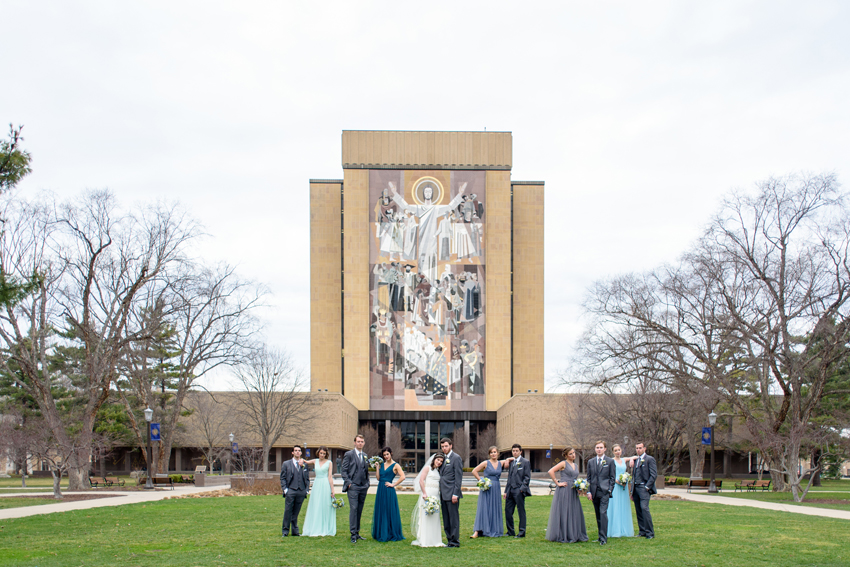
(427, 530)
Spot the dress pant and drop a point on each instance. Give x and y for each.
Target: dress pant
(600, 506)
(294, 500)
(514, 499)
(356, 499)
(451, 522)
(641, 495)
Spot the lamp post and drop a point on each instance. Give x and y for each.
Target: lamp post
(148, 418)
(712, 419)
(230, 455)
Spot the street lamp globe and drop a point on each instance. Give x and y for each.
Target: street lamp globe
(148, 414)
(232, 437)
(712, 419)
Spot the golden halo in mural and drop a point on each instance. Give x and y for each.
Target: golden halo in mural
(423, 183)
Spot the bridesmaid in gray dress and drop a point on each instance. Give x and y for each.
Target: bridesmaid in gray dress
(566, 519)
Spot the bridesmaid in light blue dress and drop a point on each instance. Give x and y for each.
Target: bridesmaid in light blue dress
(619, 508)
(321, 515)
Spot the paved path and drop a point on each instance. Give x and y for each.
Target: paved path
(793, 508)
(115, 499)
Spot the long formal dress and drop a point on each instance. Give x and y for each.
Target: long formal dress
(386, 520)
(321, 516)
(427, 528)
(620, 509)
(488, 517)
(566, 518)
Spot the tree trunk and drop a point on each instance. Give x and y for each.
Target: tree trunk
(816, 457)
(696, 452)
(266, 450)
(57, 479)
(77, 478)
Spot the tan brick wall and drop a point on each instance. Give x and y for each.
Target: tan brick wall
(528, 288)
(325, 283)
(444, 150)
(497, 236)
(356, 287)
(534, 421)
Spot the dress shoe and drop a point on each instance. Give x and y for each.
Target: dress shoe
(353, 539)
(650, 537)
(520, 535)
(296, 535)
(358, 536)
(602, 543)
(283, 535)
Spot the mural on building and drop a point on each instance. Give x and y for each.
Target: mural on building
(427, 285)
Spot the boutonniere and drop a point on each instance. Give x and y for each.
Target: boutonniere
(448, 461)
(604, 462)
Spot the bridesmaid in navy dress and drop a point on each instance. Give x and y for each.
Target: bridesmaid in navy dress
(386, 520)
(488, 517)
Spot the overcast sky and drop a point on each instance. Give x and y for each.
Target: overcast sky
(639, 116)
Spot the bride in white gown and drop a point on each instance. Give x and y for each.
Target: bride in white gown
(427, 530)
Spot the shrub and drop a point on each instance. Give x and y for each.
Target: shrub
(176, 478)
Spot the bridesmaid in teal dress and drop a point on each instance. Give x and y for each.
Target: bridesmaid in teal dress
(619, 508)
(321, 515)
(386, 520)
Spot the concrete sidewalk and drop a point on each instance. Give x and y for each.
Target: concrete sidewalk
(793, 508)
(114, 499)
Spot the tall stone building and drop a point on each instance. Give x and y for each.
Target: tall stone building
(426, 267)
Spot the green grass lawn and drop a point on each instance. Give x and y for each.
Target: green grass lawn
(14, 502)
(246, 531)
(833, 500)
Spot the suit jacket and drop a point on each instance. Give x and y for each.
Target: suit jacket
(519, 475)
(451, 477)
(289, 472)
(354, 471)
(601, 478)
(646, 471)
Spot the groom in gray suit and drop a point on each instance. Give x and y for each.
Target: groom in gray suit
(295, 484)
(355, 481)
(451, 479)
(519, 475)
(600, 477)
(646, 471)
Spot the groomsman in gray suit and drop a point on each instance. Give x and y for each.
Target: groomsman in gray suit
(516, 491)
(451, 479)
(646, 471)
(355, 481)
(600, 476)
(295, 484)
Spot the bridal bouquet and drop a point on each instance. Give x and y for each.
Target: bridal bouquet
(374, 462)
(338, 503)
(431, 505)
(580, 484)
(624, 479)
(484, 484)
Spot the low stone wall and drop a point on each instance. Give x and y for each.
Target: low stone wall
(202, 479)
(256, 484)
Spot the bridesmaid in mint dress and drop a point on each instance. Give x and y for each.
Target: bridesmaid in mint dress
(386, 520)
(619, 508)
(321, 515)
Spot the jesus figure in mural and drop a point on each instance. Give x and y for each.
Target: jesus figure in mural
(429, 216)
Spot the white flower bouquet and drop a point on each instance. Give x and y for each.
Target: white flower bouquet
(338, 503)
(374, 462)
(431, 505)
(484, 484)
(580, 484)
(624, 479)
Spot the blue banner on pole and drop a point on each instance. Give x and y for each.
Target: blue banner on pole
(308, 453)
(155, 432)
(548, 454)
(706, 436)
(235, 448)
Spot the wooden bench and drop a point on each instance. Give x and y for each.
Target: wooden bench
(763, 484)
(703, 483)
(163, 480)
(744, 485)
(93, 482)
(110, 480)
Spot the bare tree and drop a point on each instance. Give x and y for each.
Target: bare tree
(273, 399)
(485, 439)
(209, 416)
(460, 445)
(209, 315)
(372, 446)
(394, 442)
